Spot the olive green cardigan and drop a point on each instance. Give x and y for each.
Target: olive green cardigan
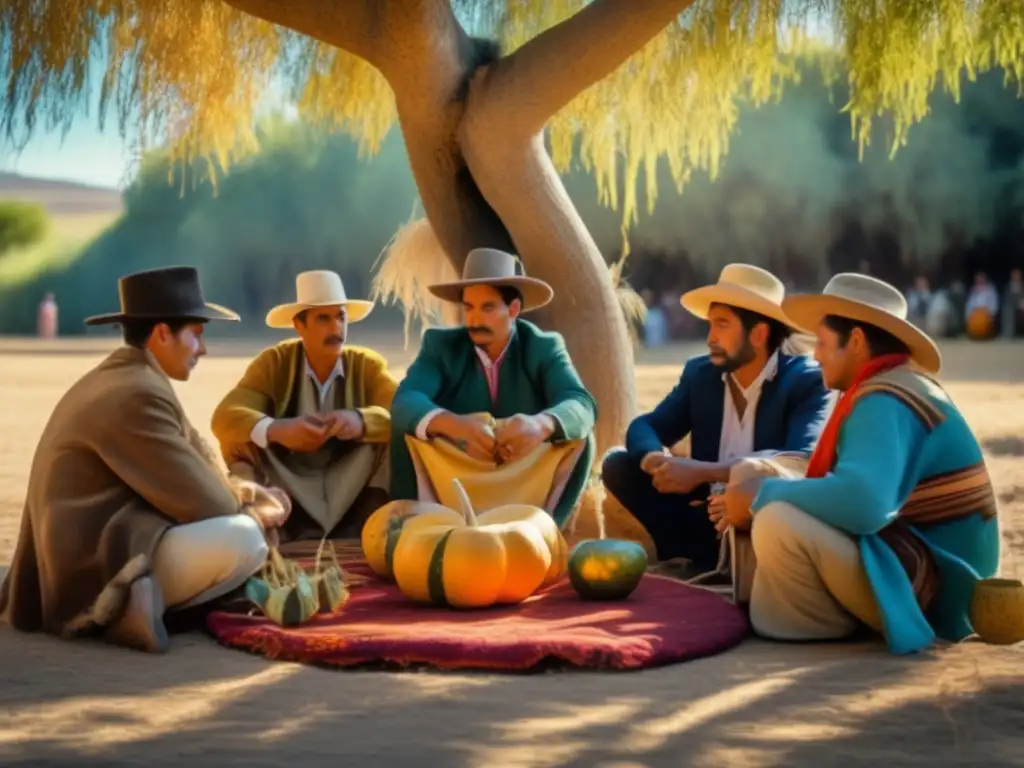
(269, 387)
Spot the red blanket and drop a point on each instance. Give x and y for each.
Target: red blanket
(663, 621)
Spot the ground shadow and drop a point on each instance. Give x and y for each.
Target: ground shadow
(1004, 445)
(764, 703)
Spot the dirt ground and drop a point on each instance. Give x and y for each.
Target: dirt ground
(759, 704)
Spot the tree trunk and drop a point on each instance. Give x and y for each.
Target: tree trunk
(473, 130)
(519, 180)
(478, 190)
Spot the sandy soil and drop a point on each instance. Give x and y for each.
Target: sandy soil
(760, 704)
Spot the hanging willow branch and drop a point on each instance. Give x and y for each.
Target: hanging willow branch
(192, 73)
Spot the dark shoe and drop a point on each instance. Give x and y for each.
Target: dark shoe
(142, 625)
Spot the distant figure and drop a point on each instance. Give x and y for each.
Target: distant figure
(957, 295)
(1013, 305)
(938, 319)
(919, 299)
(656, 322)
(46, 317)
(982, 308)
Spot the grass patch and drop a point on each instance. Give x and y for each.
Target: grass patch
(69, 235)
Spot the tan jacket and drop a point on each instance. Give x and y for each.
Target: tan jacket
(117, 464)
(270, 387)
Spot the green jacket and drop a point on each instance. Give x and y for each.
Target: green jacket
(536, 375)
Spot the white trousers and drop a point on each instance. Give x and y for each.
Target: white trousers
(805, 580)
(810, 583)
(198, 562)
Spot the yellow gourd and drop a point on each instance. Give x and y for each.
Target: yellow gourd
(502, 556)
(384, 527)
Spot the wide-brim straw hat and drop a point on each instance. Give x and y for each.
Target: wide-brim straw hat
(489, 266)
(317, 288)
(167, 293)
(743, 286)
(866, 300)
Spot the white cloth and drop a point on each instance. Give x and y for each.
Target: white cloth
(323, 390)
(198, 562)
(737, 440)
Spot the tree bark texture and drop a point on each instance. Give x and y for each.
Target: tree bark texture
(473, 128)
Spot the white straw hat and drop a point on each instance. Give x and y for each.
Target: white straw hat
(317, 288)
(867, 300)
(489, 266)
(743, 286)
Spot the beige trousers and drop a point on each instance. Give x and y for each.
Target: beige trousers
(808, 581)
(326, 490)
(198, 562)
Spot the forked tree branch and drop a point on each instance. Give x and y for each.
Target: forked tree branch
(352, 25)
(547, 72)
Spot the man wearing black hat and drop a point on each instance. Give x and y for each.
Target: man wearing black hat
(127, 511)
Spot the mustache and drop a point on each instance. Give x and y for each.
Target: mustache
(331, 341)
(717, 351)
(478, 329)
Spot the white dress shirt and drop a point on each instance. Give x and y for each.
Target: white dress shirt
(737, 438)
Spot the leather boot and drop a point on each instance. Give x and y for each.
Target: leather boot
(142, 625)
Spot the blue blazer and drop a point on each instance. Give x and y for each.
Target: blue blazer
(791, 412)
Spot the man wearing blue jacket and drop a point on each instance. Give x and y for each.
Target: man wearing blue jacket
(746, 399)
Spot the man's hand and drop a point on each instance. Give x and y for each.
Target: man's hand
(268, 506)
(470, 435)
(304, 434)
(346, 425)
(676, 474)
(521, 434)
(653, 460)
(732, 508)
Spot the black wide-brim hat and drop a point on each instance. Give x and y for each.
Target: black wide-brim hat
(168, 293)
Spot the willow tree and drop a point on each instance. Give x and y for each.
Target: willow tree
(617, 84)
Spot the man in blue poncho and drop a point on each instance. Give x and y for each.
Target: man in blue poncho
(896, 519)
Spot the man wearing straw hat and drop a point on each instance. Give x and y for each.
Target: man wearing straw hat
(311, 414)
(496, 403)
(896, 519)
(127, 510)
(747, 399)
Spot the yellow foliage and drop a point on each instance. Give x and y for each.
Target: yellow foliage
(193, 72)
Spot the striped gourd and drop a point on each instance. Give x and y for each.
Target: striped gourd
(501, 556)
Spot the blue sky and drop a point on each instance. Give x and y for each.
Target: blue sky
(86, 154)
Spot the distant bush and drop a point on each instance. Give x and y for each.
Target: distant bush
(21, 225)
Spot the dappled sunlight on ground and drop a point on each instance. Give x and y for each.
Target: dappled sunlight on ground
(760, 704)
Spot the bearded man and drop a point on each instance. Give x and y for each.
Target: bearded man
(311, 414)
(745, 399)
(496, 404)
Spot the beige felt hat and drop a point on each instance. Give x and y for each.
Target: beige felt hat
(867, 300)
(317, 288)
(740, 285)
(489, 266)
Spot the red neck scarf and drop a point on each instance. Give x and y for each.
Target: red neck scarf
(824, 457)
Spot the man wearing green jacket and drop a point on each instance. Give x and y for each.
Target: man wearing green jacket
(496, 403)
